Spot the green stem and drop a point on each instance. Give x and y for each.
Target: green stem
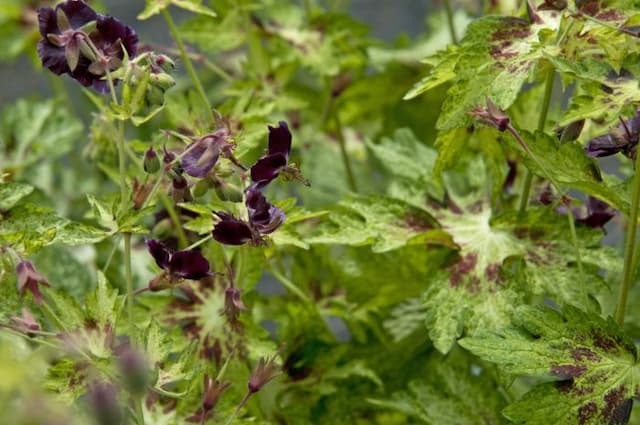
(630, 246)
(129, 283)
(200, 242)
(450, 24)
(53, 316)
(187, 60)
(168, 204)
(574, 241)
(289, 285)
(542, 119)
(237, 409)
(139, 413)
(343, 151)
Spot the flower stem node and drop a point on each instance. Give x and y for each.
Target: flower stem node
(492, 115)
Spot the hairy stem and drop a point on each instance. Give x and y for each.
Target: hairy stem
(187, 60)
(542, 119)
(630, 246)
(450, 24)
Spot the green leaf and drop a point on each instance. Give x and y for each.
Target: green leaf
(11, 193)
(103, 304)
(67, 309)
(35, 130)
(153, 7)
(381, 222)
(411, 163)
(502, 261)
(594, 363)
(450, 395)
(606, 101)
(569, 165)
(494, 60)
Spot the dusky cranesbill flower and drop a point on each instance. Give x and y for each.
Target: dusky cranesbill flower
(264, 218)
(186, 264)
(269, 166)
(597, 215)
(82, 43)
(623, 138)
(30, 280)
(203, 154)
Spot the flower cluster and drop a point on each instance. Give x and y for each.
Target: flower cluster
(263, 217)
(82, 43)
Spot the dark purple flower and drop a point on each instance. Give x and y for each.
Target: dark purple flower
(82, 43)
(264, 218)
(29, 280)
(269, 166)
(231, 231)
(598, 213)
(623, 138)
(187, 264)
(203, 154)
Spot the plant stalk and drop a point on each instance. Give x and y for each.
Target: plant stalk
(542, 119)
(345, 156)
(129, 282)
(187, 60)
(630, 246)
(168, 204)
(450, 23)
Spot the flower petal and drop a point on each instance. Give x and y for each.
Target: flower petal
(280, 139)
(231, 231)
(47, 23)
(78, 12)
(263, 216)
(189, 265)
(598, 213)
(53, 57)
(109, 31)
(200, 158)
(268, 167)
(159, 253)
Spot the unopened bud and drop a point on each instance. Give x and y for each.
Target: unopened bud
(201, 188)
(165, 62)
(154, 96)
(104, 402)
(151, 163)
(162, 80)
(135, 370)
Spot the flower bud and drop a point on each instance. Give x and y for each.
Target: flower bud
(154, 96)
(135, 370)
(103, 397)
(151, 163)
(201, 188)
(30, 280)
(165, 62)
(162, 80)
